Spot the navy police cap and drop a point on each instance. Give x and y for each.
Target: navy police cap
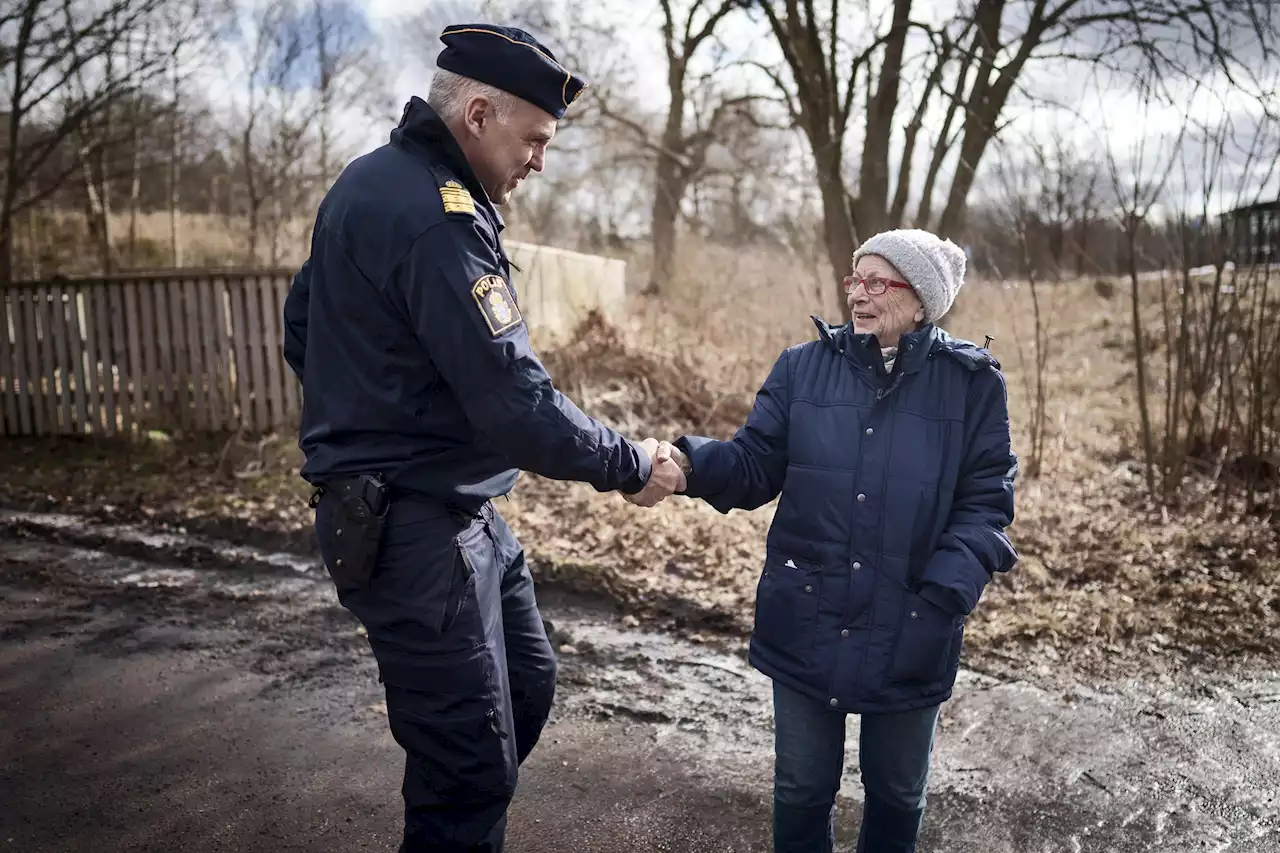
(511, 60)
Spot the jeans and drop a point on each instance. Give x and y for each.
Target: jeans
(894, 751)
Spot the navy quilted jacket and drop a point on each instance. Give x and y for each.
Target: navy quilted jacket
(896, 490)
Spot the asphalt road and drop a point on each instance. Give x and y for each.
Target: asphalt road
(197, 701)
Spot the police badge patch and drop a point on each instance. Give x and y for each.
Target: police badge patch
(496, 304)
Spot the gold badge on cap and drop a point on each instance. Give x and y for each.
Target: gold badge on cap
(494, 299)
(456, 198)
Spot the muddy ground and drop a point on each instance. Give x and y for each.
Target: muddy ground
(177, 693)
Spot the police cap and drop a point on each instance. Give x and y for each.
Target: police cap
(511, 60)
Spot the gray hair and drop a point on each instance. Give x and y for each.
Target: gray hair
(450, 93)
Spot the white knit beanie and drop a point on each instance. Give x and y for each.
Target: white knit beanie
(932, 266)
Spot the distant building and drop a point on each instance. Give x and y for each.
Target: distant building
(1254, 232)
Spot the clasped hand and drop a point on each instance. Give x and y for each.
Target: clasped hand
(666, 478)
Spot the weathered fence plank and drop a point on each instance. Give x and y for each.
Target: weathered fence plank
(26, 343)
(254, 341)
(195, 354)
(226, 355)
(180, 355)
(271, 350)
(62, 369)
(46, 362)
(104, 357)
(209, 354)
(91, 417)
(163, 379)
(236, 297)
(12, 375)
(133, 332)
(291, 391)
(75, 343)
(120, 355)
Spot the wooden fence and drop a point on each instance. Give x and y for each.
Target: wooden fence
(186, 350)
(201, 351)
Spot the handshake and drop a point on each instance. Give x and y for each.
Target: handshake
(667, 477)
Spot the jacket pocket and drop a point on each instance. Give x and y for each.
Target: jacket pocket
(787, 609)
(927, 638)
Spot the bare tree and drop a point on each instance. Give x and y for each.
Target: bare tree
(350, 76)
(975, 65)
(1068, 199)
(64, 62)
(699, 112)
(1139, 178)
(1222, 366)
(1025, 203)
(273, 129)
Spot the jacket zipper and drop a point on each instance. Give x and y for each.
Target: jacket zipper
(471, 573)
(493, 723)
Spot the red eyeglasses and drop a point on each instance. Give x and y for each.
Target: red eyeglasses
(874, 285)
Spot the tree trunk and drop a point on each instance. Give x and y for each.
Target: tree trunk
(324, 61)
(977, 135)
(669, 189)
(898, 207)
(671, 180)
(873, 178)
(277, 225)
(986, 103)
(6, 246)
(33, 245)
(174, 247)
(1140, 358)
(251, 252)
(252, 194)
(94, 214)
(1082, 245)
(93, 169)
(135, 191)
(837, 220)
(17, 110)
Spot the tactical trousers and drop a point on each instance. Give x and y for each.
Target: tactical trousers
(465, 661)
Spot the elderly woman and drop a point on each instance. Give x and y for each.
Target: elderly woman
(889, 443)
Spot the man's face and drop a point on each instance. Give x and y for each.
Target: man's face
(502, 154)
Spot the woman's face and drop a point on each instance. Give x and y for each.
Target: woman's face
(888, 315)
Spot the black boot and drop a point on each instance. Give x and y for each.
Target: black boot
(886, 829)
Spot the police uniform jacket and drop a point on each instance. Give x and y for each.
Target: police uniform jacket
(405, 331)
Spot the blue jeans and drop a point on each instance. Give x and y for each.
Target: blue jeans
(893, 755)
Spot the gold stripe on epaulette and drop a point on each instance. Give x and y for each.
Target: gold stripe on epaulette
(456, 198)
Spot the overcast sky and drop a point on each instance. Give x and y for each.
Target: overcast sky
(1101, 115)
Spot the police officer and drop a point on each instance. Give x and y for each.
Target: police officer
(422, 401)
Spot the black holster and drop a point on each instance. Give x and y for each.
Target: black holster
(359, 519)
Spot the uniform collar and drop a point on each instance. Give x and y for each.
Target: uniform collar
(422, 131)
(913, 349)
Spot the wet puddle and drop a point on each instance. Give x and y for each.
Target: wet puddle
(83, 529)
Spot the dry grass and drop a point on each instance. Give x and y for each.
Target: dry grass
(58, 241)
